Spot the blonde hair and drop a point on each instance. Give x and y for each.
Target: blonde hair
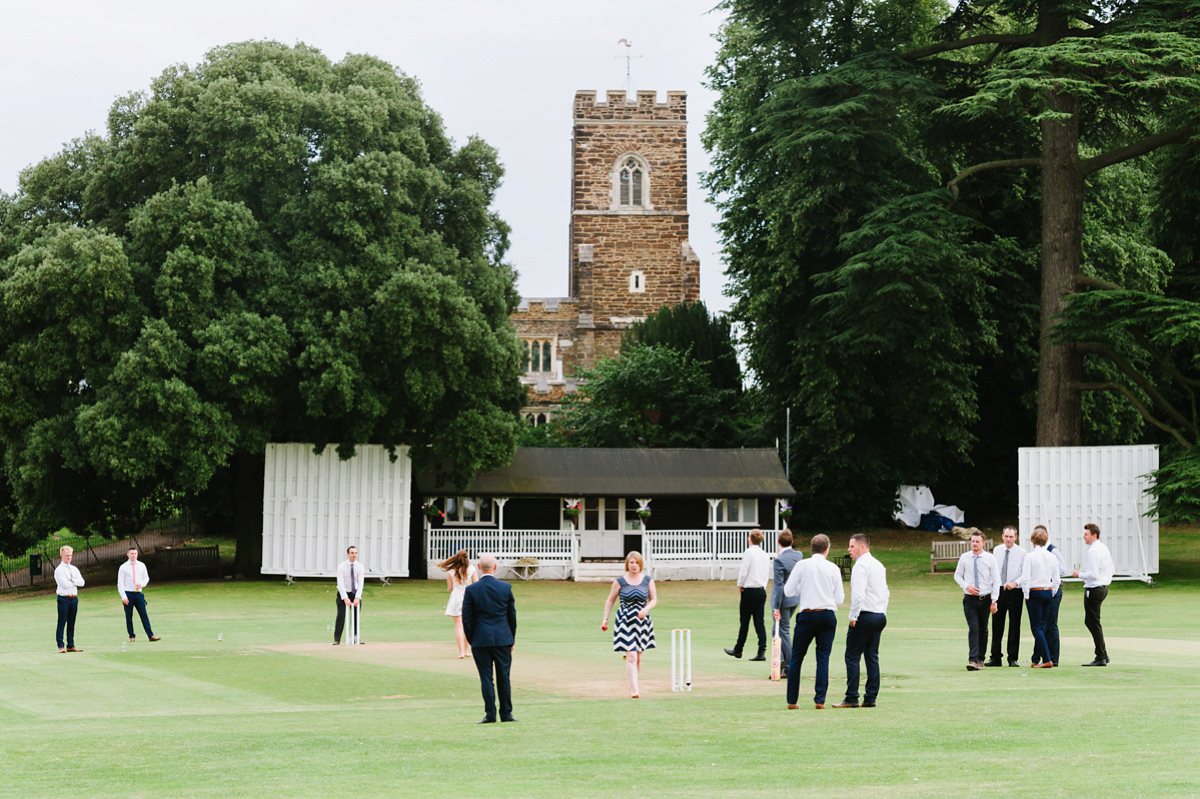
(65, 550)
(635, 555)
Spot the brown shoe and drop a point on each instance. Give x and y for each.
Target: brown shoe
(155, 638)
(62, 649)
(793, 707)
(846, 704)
(73, 649)
(818, 706)
(1045, 664)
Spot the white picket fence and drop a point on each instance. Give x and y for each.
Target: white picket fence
(524, 552)
(527, 553)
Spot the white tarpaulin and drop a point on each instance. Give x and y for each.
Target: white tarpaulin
(915, 501)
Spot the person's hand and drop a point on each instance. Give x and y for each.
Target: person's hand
(778, 616)
(641, 614)
(993, 607)
(1075, 573)
(972, 590)
(603, 626)
(347, 601)
(124, 601)
(852, 623)
(356, 601)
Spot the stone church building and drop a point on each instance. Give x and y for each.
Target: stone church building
(629, 251)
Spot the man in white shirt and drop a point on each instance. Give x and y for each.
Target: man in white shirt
(132, 578)
(68, 580)
(1097, 574)
(349, 585)
(868, 616)
(1039, 582)
(979, 579)
(1052, 639)
(1009, 602)
(818, 584)
(752, 585)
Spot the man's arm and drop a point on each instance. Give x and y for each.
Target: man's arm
(960, 573)
(145, 576)
(121, 581)
(745, 570)
(468, 616)
(858, 590)
(778, 572)
(512, 614)
(792, 586)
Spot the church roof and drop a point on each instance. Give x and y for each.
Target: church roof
(630, 473)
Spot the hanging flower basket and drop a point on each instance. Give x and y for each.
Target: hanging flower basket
(785, 512)
(644, 513)
(433, 512)
(571, 510)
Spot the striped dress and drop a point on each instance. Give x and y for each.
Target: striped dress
(631, 634)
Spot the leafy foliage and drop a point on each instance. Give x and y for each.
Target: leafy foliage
(880, 167)
(266, 246)
(648, 396)
(691, 328)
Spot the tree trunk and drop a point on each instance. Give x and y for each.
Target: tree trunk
(1060, 366)
(247, 476)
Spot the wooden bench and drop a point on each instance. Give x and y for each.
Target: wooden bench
(950, 551)
(172, 562)
(678, 547)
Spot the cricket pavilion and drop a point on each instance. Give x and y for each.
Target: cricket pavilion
(574, 513)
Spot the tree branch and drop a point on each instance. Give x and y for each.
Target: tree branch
(971, 170)
(1187, 383)
(1006, 39)
(1080, 279)
(1137, 403)
(1145, 385)
(1089, 165)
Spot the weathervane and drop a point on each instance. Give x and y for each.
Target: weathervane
(628, 59)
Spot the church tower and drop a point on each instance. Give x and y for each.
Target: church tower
(629, 250)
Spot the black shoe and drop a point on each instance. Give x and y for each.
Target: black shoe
(992, 662)
(732, 652)
(508, 718)
(1014, 664)
(867, 704)
(486, 720)
(972, 667)
(1097, 662)
(758, 657)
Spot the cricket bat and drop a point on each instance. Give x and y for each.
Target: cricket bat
(776, 652)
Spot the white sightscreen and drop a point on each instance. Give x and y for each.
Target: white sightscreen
(1065, 488)
(314, 506)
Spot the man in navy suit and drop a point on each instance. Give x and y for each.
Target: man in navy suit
(783, 605)
(489, 618)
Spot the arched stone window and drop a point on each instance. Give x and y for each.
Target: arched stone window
(631, 182)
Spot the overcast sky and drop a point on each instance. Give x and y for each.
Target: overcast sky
(505, 70)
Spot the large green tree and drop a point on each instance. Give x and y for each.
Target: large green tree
(265, 246)
(904, 186)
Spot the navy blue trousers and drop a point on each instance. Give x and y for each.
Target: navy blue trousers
(862, 640)
(821, 626)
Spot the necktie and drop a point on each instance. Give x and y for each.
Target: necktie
(977, 575)
(1004, 571)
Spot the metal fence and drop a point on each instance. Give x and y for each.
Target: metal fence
(39, 562)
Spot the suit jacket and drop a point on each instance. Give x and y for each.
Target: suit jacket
(784, 563)
(489, 613)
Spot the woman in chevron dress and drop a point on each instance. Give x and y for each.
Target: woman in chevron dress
(633, 631)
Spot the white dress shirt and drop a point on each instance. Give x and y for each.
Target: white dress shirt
(1016, 556)
(68, 579)
(868, 586)
(989, 573)
(1040, 570)
(126, 581)
(817, 582)
(756, 568)
(1098, 567)
(350, 578)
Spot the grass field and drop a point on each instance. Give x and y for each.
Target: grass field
(273, 710)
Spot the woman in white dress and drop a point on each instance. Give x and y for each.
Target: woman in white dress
(459, 574)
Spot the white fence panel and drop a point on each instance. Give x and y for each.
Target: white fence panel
(1065, 488)
(314, 506)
